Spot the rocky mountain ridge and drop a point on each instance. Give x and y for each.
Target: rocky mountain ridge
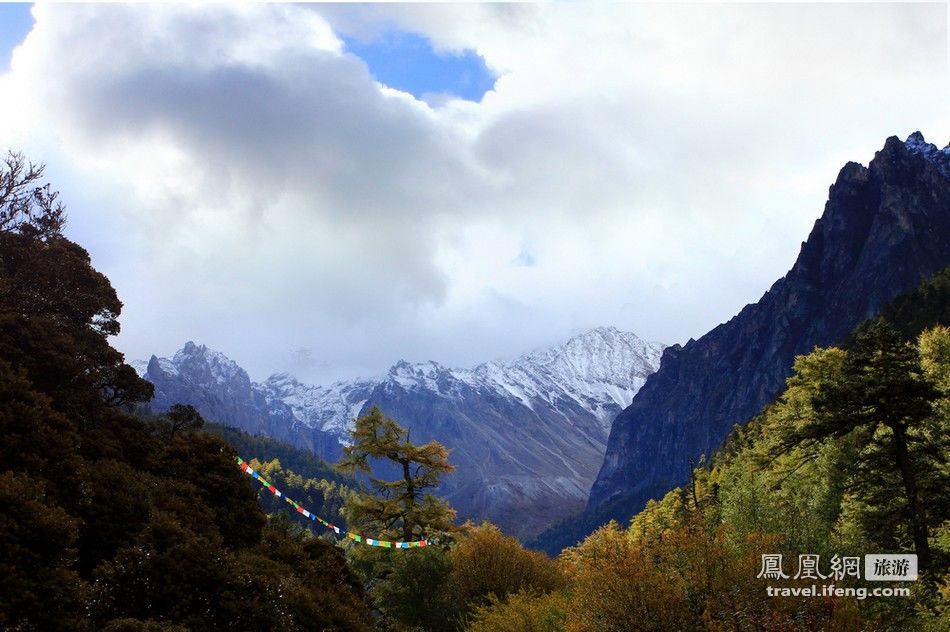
(884, 228)
(527, 434)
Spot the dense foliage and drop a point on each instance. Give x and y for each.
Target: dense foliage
(305, 464)
(108, 521)
(320, 496)
(851, 459)
(922, 308)
(441, 587)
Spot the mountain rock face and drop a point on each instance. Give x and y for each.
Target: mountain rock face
(885, 227)
(222, 391)
(527, 436)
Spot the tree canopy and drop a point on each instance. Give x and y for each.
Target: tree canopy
(405, 507)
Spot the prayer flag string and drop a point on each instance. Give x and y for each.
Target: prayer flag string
(356, 537)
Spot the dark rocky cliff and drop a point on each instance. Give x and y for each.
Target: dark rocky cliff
(884, 229)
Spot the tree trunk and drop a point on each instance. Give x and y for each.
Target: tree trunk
(918, 525)
(410, 501)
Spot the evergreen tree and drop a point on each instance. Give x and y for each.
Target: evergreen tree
(182, 418)
(922, 308)
(883, 394)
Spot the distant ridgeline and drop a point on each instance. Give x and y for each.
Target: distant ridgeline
(885, 228)
(527, 436)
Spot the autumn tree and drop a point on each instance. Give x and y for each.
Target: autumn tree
(524, 611)
(403, 507)
(487, 562)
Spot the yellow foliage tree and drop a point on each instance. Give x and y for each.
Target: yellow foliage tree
(486, 562)
(523, 611)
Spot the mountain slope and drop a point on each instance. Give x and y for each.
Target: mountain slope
(885, 227)
(527, 435)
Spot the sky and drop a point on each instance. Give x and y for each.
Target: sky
(327, 189)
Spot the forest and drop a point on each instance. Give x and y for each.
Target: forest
(116, 519)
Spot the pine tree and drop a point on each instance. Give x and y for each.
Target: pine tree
(403, 506)
(883, 394)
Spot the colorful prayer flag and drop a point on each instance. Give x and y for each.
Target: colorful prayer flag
(353, 536)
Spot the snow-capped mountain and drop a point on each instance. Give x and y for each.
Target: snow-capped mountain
(527, 435)
(601, 370)
(940, 158)
(330, 409)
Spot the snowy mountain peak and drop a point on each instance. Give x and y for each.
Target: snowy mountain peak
(597, 371)
(603, 353)
(140, 366)
(917, 144)
(429, 375)
(429, 368)
(608, 331)
(282, 380)
(205, 362)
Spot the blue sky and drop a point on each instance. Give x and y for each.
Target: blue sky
(407, 62)
(15, 22)
(402, 60)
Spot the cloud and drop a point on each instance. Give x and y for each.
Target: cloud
(247, 183)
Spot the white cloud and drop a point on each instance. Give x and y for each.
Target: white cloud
(245, 182)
